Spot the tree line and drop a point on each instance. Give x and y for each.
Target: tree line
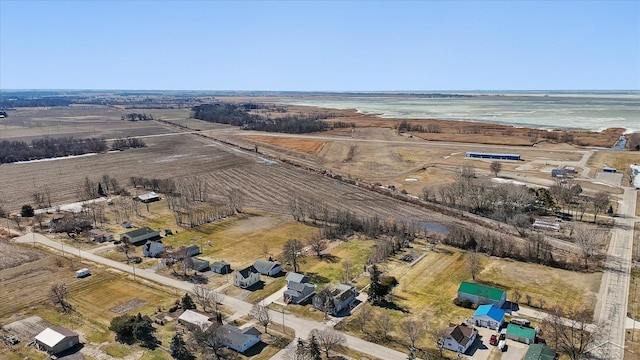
(238, 115)
(128, 143)
(136, 117)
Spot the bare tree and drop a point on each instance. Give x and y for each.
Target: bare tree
(570, 331)
(235, 198)
(600, 203)
(329, 339)
(125, 248)
(516, 295)
(205, 297)
(292, 252)
(439, 336)
(383, 325)
(210, 341)
(59, 296)
(413, 329)
(589, 240)
(300, 352)
(261, 314)
(496, 167)
(474, 264)
(318, 245)
(347, 270)
(187, 264)
(362, 317)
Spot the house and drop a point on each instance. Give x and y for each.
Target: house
(221, 267)
(200, 264)
(69, 223)
(184, 252)
(540, 352)
(459, 337)
(191, 319)
(239, 339)
(480, 294)
(56, 339)
(267, 267)
(246, 277)
(140, 236)
(298, 288)
(333, 301)
(488, 316)
(100, 235)
(152, 248)
(148, 197)
(521, 334)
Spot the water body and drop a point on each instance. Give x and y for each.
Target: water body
(593, 111)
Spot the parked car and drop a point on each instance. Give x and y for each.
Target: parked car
(493, 340)
(502, 345)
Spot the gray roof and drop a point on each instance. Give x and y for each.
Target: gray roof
(219, 265)
(247, 271)
(299, 287)
(233, 335)
(295, 277)
(264, 266)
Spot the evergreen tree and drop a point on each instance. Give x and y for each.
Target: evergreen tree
(187, 302)
(314, 349)
(178, 348)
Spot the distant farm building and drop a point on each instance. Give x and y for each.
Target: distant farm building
(493, 156)
(56, 339)
(481, 295)
(148, 197)
(221, 267)
(140, 236)
(558, 173)
(609, 169)
(545, 225)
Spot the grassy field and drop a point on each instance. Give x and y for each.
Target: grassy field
(634, 295)
(426, 290)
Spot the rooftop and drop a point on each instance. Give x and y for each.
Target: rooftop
(521, 331)
(481, 290)
(491, 311)
(51, 336)
(540, 352)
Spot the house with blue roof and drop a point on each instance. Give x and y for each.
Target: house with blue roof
(489, 316)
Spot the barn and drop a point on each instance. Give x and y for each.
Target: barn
(493, 156)
(56, 339)
(140, 236)
(481, 295)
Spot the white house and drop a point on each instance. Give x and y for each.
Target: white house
(239, 339)
(298, 288)
(488, 316)
(459, 338)
(246, 277)
(266, 267)
(56, 339)
(152, 248)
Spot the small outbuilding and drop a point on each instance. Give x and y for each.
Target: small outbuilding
(220, 267)
(521, 334)
(481, 295)
(99, 235)
(184, 252)
(152, 248)
(148, 197)
(200, 264)
(140, 236)
(267, 267)
(489, 316)
(540, 352)
(56, 339)
(192, 319)
(246, 277)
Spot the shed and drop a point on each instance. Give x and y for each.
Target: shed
(558, 172)
(609, 169)
(148, 197)
(140, 236)
(493, 156)
(488, 316)
(481, 295)
(56, 339)
(221, 267)
(191, 319)
(540, 352)
(200, 264)
(266, 267)
(185, 252)
(521, 334)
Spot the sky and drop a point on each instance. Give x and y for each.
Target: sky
(320, 45)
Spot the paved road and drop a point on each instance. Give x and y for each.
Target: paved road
(302, 327)
(611, 309)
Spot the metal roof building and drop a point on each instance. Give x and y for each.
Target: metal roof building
(494, 156)
(56, 339)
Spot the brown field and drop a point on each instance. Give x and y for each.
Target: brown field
(616, 159)
(301, 145)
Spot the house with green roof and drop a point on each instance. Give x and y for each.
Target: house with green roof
(481, 295)
(521, 334)
(540, 352)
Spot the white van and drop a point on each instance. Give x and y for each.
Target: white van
(502, 345)
(83, 272)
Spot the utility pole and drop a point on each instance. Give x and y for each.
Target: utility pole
(283, 329)
(134, 271)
